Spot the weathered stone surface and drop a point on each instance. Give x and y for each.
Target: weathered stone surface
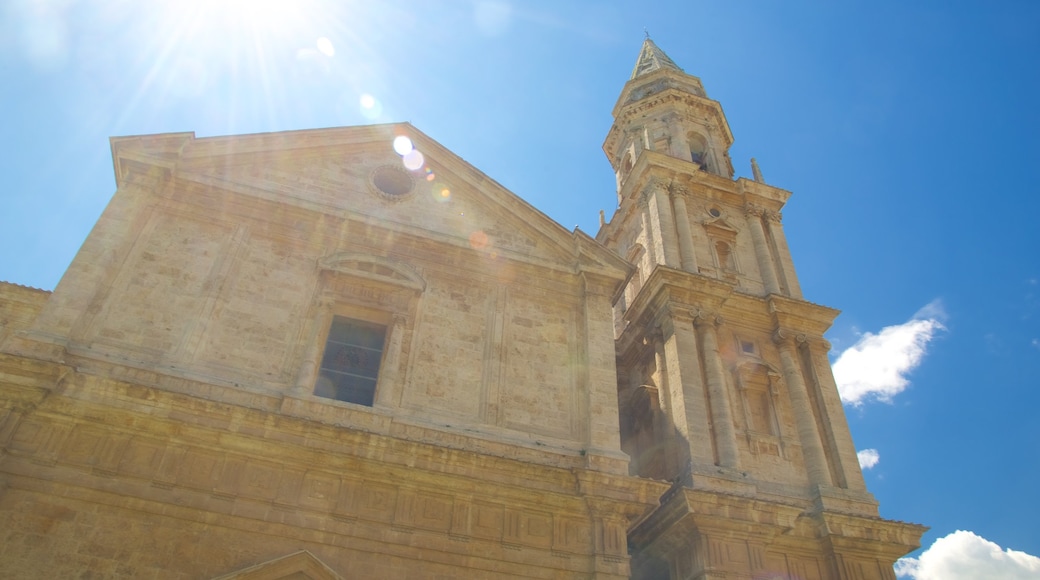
(163, 415)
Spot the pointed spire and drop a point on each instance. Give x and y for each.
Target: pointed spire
(652, 58)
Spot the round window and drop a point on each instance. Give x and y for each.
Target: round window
(392, 182)
(714, 212)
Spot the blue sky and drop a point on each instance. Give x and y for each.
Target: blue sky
(909, 133)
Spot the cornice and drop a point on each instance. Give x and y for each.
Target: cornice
(799, 317)
(762, 194)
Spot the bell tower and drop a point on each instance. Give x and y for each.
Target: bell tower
(724, 385)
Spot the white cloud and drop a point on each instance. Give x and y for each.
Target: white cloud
(868, 458)
(876, 366)
(966, 556)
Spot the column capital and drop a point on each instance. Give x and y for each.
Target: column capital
(655, 335)
(680, 313)
(653, 185)
(753, 210)
(814, 341)
(707, 318)
(677, 190)
(785, 336)
(773, 216)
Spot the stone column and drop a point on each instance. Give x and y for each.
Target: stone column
(783, 254)
(682, 224)
(670, 396)
(663, 223)
(684, 372)
(721, 411)
(847, 462)
(762, 253)
(805, 418)
(651, 236)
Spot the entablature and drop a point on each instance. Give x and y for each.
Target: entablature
(758, 192)
(800, 316)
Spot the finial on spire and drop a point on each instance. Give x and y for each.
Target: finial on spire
(646, 32)
(756, 171)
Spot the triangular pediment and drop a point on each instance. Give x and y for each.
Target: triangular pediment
(301, 565)
(355, 172)
(719, 227)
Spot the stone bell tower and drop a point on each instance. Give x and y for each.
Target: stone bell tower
(724, 385)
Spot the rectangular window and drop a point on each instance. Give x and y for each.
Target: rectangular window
(350, 365)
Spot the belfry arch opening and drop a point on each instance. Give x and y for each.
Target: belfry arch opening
(699, 150)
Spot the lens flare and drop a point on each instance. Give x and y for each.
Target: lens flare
(440, 192)
(325, 47)
(371, 109)
(403, 145)
(478, 240)
(413, 160)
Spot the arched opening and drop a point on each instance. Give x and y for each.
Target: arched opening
(699, 150)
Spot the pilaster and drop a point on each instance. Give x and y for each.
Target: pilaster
(775, 230)
(808, 434)
(671, 400)
(689, 396)
(662, 223)
(766, 267)
(718, 395)
(845, 461)
(603, 435)
(682, 225)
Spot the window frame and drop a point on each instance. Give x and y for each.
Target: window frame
(329, 327)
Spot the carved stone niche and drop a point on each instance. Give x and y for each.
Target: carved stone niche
(759, 386)
(722, 238)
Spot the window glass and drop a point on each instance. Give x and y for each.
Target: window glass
(350, 365)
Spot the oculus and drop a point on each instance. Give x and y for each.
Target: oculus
(391, 182)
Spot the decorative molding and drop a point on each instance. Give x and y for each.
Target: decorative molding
(374, 268)
(678, 190)
(391, 183)
(754, 210)
(703, 317)
(783, 335)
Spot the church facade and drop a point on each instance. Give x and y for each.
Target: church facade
(308, 355)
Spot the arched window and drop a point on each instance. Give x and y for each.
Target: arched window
(698, 150)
